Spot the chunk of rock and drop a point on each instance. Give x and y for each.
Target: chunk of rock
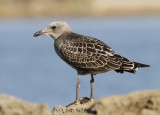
(84, 105)
(9, 105)
(136, 103)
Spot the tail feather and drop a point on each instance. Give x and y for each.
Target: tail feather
(132, 70)
(139, 65)
(129, 66)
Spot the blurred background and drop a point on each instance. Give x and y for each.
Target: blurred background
(31, 70)
(36, 8)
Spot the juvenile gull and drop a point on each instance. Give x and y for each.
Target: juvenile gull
(86, 54)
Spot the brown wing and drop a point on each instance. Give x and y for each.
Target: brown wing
(83, 52)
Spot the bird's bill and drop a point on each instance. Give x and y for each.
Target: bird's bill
(38, 33)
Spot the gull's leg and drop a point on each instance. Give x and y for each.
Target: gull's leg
(92, 83)
(77, 89)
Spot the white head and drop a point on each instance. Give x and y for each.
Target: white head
(55, 29)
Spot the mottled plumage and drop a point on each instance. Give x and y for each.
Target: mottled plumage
(86, 54)
(91, 56)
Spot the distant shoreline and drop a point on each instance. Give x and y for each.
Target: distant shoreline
(77, 8)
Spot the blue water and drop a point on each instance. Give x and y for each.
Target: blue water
(31, 70)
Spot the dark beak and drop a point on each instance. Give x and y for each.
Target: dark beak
(38, 34)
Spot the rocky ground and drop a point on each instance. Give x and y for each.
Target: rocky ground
(136, 103)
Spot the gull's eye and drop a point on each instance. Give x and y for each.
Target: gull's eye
(53, 27)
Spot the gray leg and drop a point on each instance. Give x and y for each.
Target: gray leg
(77, 89)
(91, 83)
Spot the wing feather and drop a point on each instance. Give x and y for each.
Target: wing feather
(87, 52)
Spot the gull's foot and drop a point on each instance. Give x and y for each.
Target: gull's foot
(91, 99)
(82, 101)
(77, 102)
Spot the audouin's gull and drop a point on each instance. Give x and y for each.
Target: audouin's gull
(86, 54)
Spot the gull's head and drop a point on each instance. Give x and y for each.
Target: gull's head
(54, 30)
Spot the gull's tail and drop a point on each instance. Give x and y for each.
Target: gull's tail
(128, 65)
(136, 67)
(139, 65)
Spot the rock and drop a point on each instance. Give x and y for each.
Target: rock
(136, 103)
(9, 105)
(84, 105)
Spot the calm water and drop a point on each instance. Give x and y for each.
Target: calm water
(31, 70)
